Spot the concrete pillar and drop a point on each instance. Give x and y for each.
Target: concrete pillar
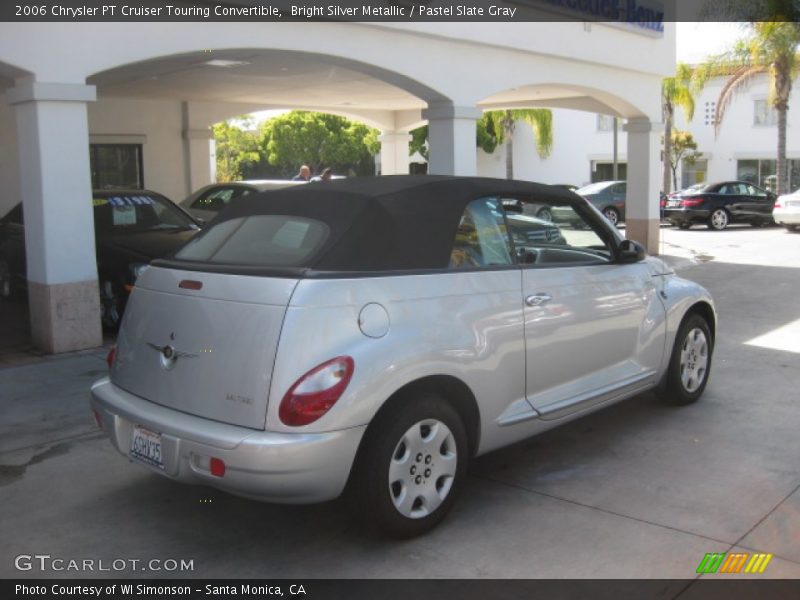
(642, 213)
(394, 152)
(55, 183)
(199, 158)
(451, 136)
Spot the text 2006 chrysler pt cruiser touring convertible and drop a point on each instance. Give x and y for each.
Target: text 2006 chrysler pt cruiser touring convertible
(378, 333)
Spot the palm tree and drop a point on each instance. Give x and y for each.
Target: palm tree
(504, 123)
(771, 48)
(675, 92)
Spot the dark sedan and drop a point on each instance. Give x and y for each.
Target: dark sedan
(131, 227)
(719, 204)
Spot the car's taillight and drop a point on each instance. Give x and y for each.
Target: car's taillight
(777, 204)
(111, 356)
(316, 392)
(692, 201)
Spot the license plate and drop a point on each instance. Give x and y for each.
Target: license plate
(146, 446)
(673, 203)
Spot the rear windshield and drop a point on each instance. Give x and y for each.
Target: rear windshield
(128, 213)
(258, 240)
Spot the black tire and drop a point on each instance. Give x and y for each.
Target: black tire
(684, 380)
(387, 444)
(545, 214)
(791, 228)
(111, 304)
(612, 214)
(718, 219)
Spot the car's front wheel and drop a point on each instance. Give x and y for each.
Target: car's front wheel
(545, 214)
(718, 220)
(690, 363)
(411, 465)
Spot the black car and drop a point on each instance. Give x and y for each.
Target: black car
(131, 228)
(719, 204)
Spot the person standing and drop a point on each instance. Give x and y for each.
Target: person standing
(304, 174)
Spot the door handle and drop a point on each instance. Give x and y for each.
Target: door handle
(538, 299)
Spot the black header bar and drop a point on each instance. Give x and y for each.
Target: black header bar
(644, 14)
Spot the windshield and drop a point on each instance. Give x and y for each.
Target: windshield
(121, 213)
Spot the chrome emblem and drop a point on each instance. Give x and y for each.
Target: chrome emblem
(169, 355)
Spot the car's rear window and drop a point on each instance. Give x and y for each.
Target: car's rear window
(258, 240)
(136, 213)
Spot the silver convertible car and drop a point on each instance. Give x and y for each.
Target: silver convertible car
(371, 336)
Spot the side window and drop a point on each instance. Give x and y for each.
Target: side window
(481, 239)
(754, 191)
(566, 237)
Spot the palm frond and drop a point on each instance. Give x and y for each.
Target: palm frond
(739, 80)
(541, 121)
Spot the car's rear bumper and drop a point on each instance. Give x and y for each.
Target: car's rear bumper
(292, 468)
(787, 215)
(678, 216)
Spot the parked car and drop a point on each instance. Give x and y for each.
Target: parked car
(688, 190)
(205, 203)
(131, 228)
(373, 335)
(543, 212)
(665, 198)
(570, 187)
(786, 210)
(719, 204)
(608, 197)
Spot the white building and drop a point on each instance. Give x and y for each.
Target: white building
(744, 149)
(747, 144)
(141, 97)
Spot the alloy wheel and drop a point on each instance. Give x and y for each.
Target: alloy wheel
(611, 214)
(719, 219)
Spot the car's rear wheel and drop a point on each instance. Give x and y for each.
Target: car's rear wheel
(612, 214)
(545, 214)
(690, 363)
(5, 279)
(718, 220)
(411, 465)
(110, 304)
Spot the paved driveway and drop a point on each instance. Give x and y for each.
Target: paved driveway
(637, 490)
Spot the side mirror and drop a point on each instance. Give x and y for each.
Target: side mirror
(629, 251)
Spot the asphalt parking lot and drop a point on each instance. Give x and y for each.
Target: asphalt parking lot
(637, 490)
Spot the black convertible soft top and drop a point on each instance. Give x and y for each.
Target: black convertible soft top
(387, 223)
